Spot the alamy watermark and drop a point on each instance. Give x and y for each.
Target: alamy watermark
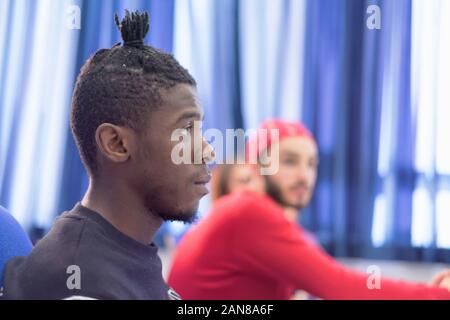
(73, 281)
(374, 279)
(190, 147)
(374, 20)
(73, 17)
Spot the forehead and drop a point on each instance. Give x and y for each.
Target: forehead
(298, 146)
(180, 95)
(178, 103)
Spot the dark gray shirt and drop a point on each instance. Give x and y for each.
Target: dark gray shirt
(84, 255)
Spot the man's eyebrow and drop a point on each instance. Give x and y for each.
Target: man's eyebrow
(191, 114)
(290, 154)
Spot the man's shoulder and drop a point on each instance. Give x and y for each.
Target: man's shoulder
(27, 279)
(50, 271)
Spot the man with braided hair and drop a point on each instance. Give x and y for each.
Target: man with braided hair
(127, 102)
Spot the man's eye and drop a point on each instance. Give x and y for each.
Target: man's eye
(193, 125)
(189, 127)
(289, 161)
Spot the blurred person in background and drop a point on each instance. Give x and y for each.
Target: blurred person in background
(247, 248)
(229, 178)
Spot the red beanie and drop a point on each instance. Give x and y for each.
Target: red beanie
(264, 139)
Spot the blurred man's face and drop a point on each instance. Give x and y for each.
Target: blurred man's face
(242, 177)
(293, 184)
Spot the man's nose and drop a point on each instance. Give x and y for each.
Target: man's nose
(305, 173)
(209, 155)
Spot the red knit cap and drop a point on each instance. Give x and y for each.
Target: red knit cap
(264, 138)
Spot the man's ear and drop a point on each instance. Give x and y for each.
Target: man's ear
(113, 142)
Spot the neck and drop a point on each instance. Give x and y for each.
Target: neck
(291, 214)
(123, 208)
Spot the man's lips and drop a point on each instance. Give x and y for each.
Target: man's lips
(200, 184)
(203, 179)
(300, 189)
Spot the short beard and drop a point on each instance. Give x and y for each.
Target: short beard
(274, 192)
(174, 214)
(185, 217)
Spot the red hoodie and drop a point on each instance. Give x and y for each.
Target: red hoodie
(246, 249)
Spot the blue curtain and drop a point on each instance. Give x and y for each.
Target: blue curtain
(349, 69)
(37, 67)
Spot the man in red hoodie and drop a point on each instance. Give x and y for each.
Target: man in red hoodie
(247, 248)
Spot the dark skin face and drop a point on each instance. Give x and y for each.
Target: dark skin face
(138, 186)
(171, 190)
